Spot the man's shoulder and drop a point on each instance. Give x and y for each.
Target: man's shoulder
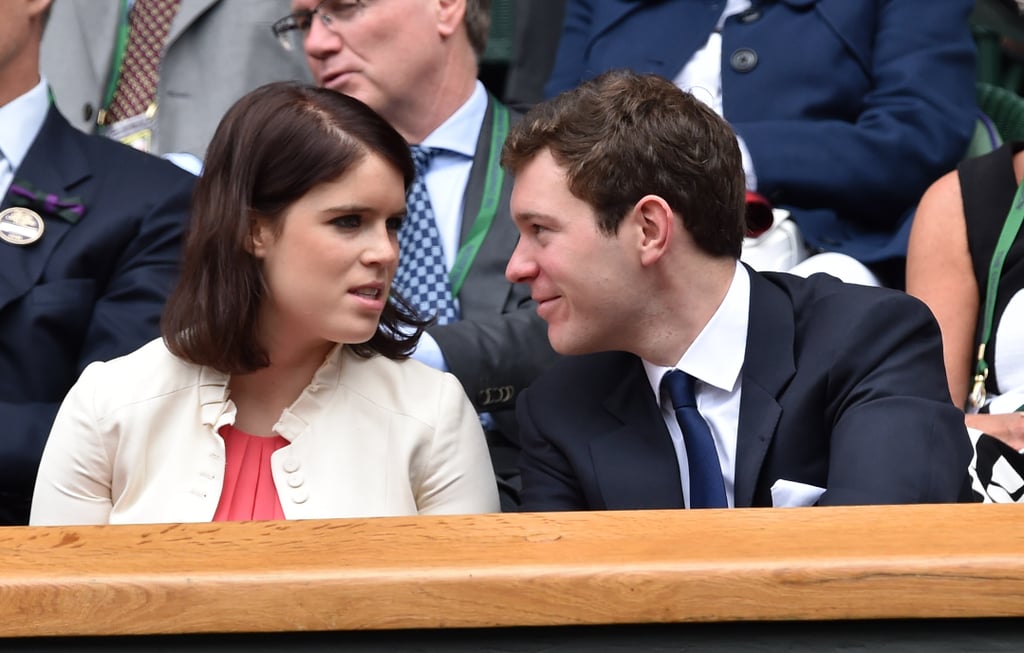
(130, 164)
(107, 158)
(826, 297)
(832, 321)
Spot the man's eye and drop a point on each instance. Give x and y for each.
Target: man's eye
(339, 9)
(302, 21)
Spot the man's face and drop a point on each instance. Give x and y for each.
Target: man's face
(383, 52)
(586, 283)
(16, 45)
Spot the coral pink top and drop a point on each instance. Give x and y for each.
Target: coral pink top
(249, 492)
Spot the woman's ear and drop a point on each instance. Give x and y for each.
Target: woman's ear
(260, 236)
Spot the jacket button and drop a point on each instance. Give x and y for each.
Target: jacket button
(300, 496)
(295, 480)
(743, 60)
(291, 465)
(87, 112)
(749, 16)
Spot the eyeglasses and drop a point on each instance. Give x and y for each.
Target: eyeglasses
(292, 30)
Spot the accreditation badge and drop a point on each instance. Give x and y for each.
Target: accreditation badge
(136, 132)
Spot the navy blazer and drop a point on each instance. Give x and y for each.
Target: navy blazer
(87, 291)
(843, 388)
(850, 108)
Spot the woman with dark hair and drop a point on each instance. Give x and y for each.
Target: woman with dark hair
(281, 388)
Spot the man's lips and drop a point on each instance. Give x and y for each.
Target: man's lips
(335, 78)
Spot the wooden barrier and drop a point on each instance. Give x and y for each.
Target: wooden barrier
(487, 571)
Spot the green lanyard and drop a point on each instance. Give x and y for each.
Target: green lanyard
(488, 204)
(118, 60)
(1011, 227)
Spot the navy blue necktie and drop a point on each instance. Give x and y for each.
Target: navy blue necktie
(707, 488)
(422, 275)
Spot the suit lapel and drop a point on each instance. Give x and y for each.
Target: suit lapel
(188, 12)
(55, 163)
(767, 368)
(486, 290)
(478, 173)
(635, 464)
(98, 23)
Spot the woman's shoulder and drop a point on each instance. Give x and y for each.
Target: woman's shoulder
(398, 384)
(378, 365)
(149, 371)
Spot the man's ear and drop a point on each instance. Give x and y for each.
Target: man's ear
(655, 224)
(450, 14)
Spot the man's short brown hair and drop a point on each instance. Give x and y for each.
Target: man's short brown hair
(623, 135)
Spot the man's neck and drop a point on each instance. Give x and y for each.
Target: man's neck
(418, 118)
(17, 79)
(682, 312)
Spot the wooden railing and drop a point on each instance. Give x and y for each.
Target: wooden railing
(515, 570)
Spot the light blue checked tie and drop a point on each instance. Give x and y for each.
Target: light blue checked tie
(422, 277)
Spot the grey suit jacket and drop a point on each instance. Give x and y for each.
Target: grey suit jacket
(500, 345)
(217, 51)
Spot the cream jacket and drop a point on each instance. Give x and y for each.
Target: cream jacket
(136, 441)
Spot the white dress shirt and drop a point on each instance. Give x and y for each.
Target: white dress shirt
(715, 360)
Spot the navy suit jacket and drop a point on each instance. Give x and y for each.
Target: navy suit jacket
(87, 291)
(843, 387)
(849, 108)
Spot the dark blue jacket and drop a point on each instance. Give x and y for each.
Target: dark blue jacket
(850, 108)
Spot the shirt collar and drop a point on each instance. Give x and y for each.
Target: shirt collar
(462, 129)
(716, 355)
(20, 122)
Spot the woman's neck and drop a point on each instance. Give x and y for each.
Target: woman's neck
(261, 396)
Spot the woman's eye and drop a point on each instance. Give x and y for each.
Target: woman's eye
(394, 224)
(347, 221)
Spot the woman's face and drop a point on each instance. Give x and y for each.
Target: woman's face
(328, 269)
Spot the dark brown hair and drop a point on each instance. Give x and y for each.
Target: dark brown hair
(623, 135)
(270, 149)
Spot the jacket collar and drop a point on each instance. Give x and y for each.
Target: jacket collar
(767, 368)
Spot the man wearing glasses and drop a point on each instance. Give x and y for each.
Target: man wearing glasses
(415, 62)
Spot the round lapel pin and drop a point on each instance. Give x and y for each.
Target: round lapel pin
(21, 226)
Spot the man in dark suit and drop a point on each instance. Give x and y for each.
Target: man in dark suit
(91, 233)
(847, 110)
(718, 386)
(415, 62)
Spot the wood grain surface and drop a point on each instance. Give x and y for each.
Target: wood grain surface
(514, 570)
